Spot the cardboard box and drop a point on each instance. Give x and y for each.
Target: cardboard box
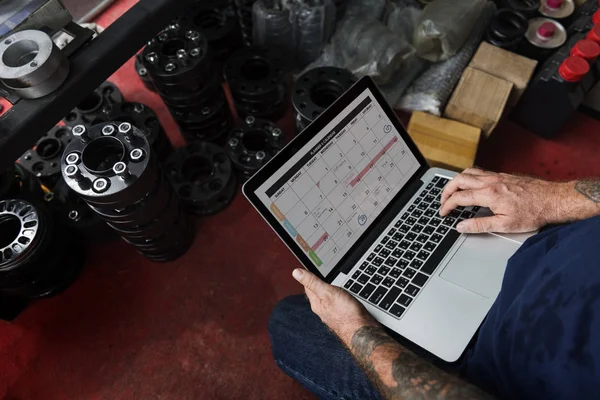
(479, 100)
(443, 142)
(505, 65)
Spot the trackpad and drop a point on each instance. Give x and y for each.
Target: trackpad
(479, 264)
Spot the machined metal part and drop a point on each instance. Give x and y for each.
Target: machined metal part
(118, 176)
(96, 106)
(253, 144)
(315, 90)
(38, 257)
(203, 177)
(142, 72)
(257, 79)
(43, 160)
(31, 65)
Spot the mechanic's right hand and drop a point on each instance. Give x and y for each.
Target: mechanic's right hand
(519, 203)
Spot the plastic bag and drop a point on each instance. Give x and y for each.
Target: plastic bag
(315, 21)
(444, 26)
(369, 9)
(274, 26)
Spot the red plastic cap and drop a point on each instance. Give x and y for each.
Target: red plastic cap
(546, 30)
(554, 3)
(596, 16)
(586, 49)
(594, 34)
(573, 69)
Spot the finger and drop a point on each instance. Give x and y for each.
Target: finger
(466, 198)
(310, 281)
(481, 225)
(477, 171)
(461, 182)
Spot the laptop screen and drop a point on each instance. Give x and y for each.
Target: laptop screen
(334, 187)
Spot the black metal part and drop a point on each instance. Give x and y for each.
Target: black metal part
(27, 120)
(253, 144)
(529, 8)
(257, 79)
(18, 183)
(182, 69)
(43, 160)
(203, 177)
(316, 90)
(113, 168)
(145, 119)
(507, 29)
(95, 108)
(143, 74)
(38, 257)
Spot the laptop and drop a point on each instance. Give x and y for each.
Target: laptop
(354, 199)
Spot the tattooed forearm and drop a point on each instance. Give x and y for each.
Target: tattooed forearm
(590, 189)
(400, 374)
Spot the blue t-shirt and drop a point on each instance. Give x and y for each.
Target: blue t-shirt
(541, 339)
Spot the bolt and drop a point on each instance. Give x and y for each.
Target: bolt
(72, 158)
(192, 35)
(108, 130)
(233, 142)
(136, 155)
(250, 120)
(276, 132)
(121, 170)
(170, 67)
(182, 56)
(174, 27)
(100, 185)
(125, 127)
(142, 72)
(33, 64)
(73, 172)
(163, 37)
(28, 156)
(260, 156)
(74, 215)
(80, 132)
(205, 111)
(8, 41)
(138, 108)
(195, 52)
(152, 58)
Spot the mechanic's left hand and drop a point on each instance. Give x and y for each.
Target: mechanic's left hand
(341, 312)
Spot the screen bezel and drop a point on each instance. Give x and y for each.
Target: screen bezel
(251, 186)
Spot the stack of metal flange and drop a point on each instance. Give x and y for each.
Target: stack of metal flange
(43, 160)
(182, 69)
(253, 144)
(95, 108)
(203, 177)
(112, 167)
(316, 24)
(257, 79)
(217, 21)
(244, 14)
(142, 72)
(274, 26)
(38, 257)
(146, 120)
(316, 90)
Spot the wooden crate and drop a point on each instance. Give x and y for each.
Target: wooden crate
(444, 143)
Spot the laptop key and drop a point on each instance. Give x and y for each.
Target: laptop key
(467, 215)
(448, 221)
(391, 261)
(378, 248)
(367, 291)
(383, 270)
(388, 282)
(409, 255)
(397, 253)
(436, 238)
(419, 279)
(412, 207)
(404, 300)
(429, 230)
(430, 185)
(363, 265)
(416, 264)
(418, 200)
(392, 231)
(404, 216)
(378, 295)
(429, 213)
(395, 272)
(371, 257)
(384, 253)
(411, 221)
(429, 199)
(422, 238)
(442, 229)
(423, 221)
(378, 261)
(364, 278)
(397, 310)
(435, 222)
(476, 209)
(371, 270)
(402, 263)
(439, 253)
(412, 290)
(348, 284)
(409, 273)
(415, 246)
(404, 228)
(429, 246)
(390, 298)
(423, 206)
(423, 255)
(355, 288)
(454, 213)
(402, 282)
(398, 224)
(435, 179)
(398, 237)
(411, 236)
(356, 275)
(385, 240)
(435, 191)
(391, 245)
(404, 244)
(376, 279)
(417, 213)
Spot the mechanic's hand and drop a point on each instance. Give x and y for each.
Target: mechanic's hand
(520, 204)
(341, 312)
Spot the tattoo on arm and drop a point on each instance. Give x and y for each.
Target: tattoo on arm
(400, 374)
(590, 189)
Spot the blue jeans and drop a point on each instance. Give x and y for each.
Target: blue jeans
(305, 349)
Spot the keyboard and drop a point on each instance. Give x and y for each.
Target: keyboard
(399, 266)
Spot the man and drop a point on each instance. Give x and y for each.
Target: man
(540, 340)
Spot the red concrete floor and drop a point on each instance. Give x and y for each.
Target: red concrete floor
(196, 328)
